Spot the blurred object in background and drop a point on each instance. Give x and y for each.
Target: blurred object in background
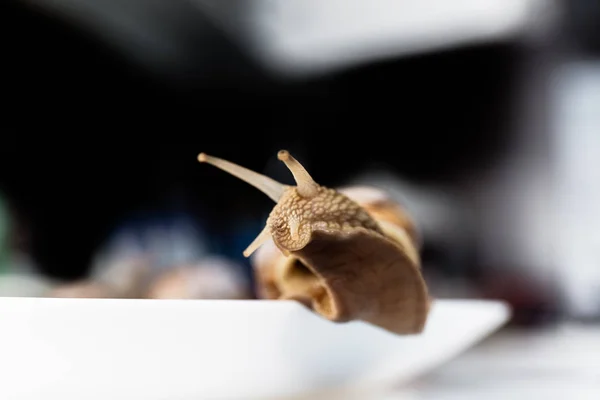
(122, 278)
(18, 277)
(138, 251)
(535, 301)
(24, 284)
(160, 256)
(5, 235)
(241, 41)
(172, 39)
(127, 276)
(86, 289)
(582, 27)
(128, 260)
(576, 156)
(209, 278)
(308, 38)
(575, 133)
(162, 238)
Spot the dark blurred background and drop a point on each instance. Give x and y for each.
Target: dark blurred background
(106, 105)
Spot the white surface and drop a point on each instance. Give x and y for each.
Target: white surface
(184, 349)
(558, 363)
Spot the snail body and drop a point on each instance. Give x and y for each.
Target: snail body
(325, 249)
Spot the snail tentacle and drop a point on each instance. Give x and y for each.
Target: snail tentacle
(268, 186)
(306, 186)
(262, 237)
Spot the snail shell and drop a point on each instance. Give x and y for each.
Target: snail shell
(348, 254)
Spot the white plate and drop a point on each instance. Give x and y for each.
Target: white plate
(88, 349)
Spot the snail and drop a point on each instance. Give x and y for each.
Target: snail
(84, 289)
(209, 278)
(343, 255)
(122, 278)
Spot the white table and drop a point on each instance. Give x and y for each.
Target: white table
(560, 363)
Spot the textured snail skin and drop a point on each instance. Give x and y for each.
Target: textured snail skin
(326, 250)
(382, 208)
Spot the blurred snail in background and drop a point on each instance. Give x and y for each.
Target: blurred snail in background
(210, 278)
(347, 254)
(84, 289)
(125, 278)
